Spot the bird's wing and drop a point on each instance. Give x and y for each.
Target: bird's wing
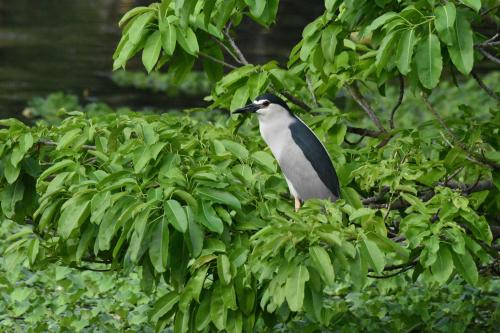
(316, 153)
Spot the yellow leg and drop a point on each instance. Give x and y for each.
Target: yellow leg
(297, 204)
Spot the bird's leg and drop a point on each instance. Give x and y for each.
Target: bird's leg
(297, 204)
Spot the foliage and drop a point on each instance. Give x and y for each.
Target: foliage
(200, 206)
(195, 83)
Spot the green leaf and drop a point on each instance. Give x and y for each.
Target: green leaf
(137, 29)
(163, 305)
(168, 36)
(371, 252)
(158, 247)
(379, 21)
(207, 11)
(429, 61)
(445, 20)
(132, 13)
(385, 51)
(196, 235)
(236, 149)
(264, 159)
(176, 215)
(466, 266)
(203, 319)
(188, 41)
(294, 287)
(240, 98)
(218, 311)
(257, 7)
(220, 197)
(224, 269)
(323, 264)
(151, 51)
(10, 172)
(404, 52)
(68, 138)
(443, 266)
(56, 167)
(462, 49)
(10, 196)
(209, 219)
(329, 41)
(74, 212)
(474, 4)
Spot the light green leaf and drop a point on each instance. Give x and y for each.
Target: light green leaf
(132, 13)
(68, 138)
(137, 28)
(168, 36)
(385, 51)
(404, 52)
(10, 172)
(236, 149)
(176, 215)
(218, 311)
(474, 4)
(445, 20)
(196, 235)
(329, 41)
(379, 21)
(187, 40)
(371, 252)
(240, 97)
(75, 211)
(220, 197)
(294, 287)
(209, 219)
(264, 159)
(224, 269)
(322, 263)
(151, 51)
(462, 49)
(443, 266)
(163, 305)
(202, 319)
(10, 196)
(429, 61)
(466, 267)
(158, 247)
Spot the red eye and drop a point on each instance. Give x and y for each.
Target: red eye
(265, 103)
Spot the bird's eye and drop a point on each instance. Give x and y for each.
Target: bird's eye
(265, 103)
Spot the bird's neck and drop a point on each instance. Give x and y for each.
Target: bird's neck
(275, 130)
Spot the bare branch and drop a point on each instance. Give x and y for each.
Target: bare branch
(54, 144)
(363, 132)
(223, 63)
(296, 101)
(484, 86)
(489, 55)
(236, 49)
(400, 99)
(360, 99)
(227, 49)
(402, 270)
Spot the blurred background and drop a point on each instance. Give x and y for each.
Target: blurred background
(67, 45)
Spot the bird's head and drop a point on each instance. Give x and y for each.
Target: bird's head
(264, 105)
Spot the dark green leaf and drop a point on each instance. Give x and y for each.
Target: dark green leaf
(429, 61)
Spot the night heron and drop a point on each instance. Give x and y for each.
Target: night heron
(305, 163)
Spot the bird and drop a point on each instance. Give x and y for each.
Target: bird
(303, 159)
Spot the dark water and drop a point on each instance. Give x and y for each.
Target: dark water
(66, 45)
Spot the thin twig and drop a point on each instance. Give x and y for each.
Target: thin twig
(296, 101)
(488, 44)
(489, 55)
(363, 132)
(400, 99)
(311, 91)
(406, 268)
(227, 49)
(223, 63)
(54, 144)
(236, 49)
(484, 86)
(486, 12)
(360, 99)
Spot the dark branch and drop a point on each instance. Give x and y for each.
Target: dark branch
(54, 144)
(223, 63)
(400, 99)
(362, 102)
(489, 55)
(236, 49)
(484, 86)
(363, 132)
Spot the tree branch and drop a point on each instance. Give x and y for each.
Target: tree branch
(488, 55)
(360, 99)
(54, 144)
(223, 63)
(236, 49)
(400, 99)
(472, 156)
(484, 86)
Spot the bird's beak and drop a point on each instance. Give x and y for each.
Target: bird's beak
(250, 108)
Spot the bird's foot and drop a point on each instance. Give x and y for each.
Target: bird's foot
(297, 204)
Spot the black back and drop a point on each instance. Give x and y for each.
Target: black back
(316, 153)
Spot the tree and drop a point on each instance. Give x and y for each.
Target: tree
(200, 205)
